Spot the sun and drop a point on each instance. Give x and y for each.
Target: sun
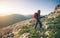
(2, 10)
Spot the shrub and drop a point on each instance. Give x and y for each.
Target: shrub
(23, 30)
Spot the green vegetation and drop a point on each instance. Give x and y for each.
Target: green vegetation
(33, 33)
(54, 29)
(24, 29)
(32, 22)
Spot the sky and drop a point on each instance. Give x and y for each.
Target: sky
(27, 7)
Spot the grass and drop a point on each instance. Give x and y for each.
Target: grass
(54, 29)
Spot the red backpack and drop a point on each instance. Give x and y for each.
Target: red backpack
(35, 15)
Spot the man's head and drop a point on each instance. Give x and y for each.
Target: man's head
(39, 11)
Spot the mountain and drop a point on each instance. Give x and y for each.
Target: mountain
(25, 29)
(11, 19)
(29, 16)
(55, 13)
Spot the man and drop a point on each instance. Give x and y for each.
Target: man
(37, 18)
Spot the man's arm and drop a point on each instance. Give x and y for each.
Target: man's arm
(42, 16)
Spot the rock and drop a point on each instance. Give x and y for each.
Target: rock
(11, 34)
(57, 7)
(25, 35)
(0, 35)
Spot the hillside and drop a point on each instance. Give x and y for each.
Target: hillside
(25, 29)
(55, 13)
(11, 19)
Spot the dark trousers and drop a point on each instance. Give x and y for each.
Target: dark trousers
(38, 22)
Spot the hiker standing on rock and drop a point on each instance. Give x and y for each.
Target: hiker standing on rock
(37, 18)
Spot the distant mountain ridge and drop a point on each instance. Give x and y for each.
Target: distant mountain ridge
(11, 19)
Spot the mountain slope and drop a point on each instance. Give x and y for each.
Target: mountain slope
(25, 29)
(11, 19)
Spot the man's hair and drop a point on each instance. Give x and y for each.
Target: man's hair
(39, 11)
